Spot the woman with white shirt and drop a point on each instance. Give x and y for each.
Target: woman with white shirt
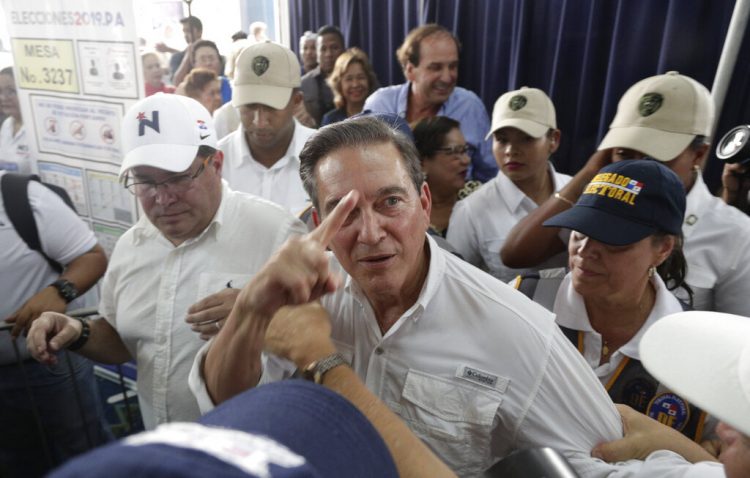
(625, 255)
(14, 147)
(525, 135)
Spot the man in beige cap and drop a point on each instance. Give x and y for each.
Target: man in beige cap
(525, 134)
(262, 154)
(667, 118)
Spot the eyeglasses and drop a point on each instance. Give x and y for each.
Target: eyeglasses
(175, 185)
(458, 149)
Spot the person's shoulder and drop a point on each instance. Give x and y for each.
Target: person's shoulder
(380, 99)
(225, 143)
(492, 295)
(256, 208)
(461, 94)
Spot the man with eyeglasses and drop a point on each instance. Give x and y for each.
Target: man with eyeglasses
(174, 275)
(524, 136)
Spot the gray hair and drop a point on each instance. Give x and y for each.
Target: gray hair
(354, 133)
(308, 35)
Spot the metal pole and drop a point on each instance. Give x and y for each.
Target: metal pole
(732, 43)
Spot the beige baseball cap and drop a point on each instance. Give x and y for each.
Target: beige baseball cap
(528, 109)
(660, 115)
(265, 73)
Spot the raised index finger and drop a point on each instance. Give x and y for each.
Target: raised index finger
(324, 233)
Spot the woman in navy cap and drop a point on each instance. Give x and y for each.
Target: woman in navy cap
(625, 254)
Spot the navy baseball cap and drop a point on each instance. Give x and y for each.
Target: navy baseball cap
(626, 202)
(288, 429)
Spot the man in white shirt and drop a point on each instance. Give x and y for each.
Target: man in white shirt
(262, 155)
(472, 367)
(198, 238)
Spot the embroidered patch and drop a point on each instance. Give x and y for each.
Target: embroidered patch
(517, 102)
(650, 104)
(480, 377)
(260, 65)
(670, 410)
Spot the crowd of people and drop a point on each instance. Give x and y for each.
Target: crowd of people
(401, 247)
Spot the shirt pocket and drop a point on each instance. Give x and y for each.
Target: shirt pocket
(454, 419)
(213, 282)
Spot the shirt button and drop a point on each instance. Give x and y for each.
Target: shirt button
(379, 351)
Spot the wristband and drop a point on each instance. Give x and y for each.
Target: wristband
(564, 199)
(84, 337)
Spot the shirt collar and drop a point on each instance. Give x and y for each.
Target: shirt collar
(513, 196)
(246, 156)
(402, 100)
(695, 205)
(435, 273)
(571, 312)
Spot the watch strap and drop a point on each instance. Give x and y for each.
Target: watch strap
(66, 289)
(84, 337)
(316, 370)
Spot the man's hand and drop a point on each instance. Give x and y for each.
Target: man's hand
(49, 334)
(207, 315)
(643, 436)
(300, 333)
(47, 299)
(298, 273)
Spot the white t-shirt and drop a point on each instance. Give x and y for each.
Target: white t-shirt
(63, 236)
(480, 223)
(150, 284)
(280, 183)
(15, 155)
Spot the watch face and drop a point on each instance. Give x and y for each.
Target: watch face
(66, 289)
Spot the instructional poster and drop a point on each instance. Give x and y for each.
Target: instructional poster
(77, 71)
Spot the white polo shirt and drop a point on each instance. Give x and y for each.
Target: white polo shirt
(480, 223)
(150, 284)
(15, 155)
(280, 183)
(717, 249)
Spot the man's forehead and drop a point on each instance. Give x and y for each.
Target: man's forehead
(152, 172)
(439, 43)
(329, 38)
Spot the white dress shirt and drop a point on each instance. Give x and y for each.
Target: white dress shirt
(717, 249)
(473, 367)
(480, 223)
(280, 183)
(150, 284)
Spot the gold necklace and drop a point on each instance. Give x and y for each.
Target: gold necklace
(605, 347)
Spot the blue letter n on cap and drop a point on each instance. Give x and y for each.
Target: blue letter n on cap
(143, 122)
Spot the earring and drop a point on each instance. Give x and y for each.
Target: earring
(651, 271)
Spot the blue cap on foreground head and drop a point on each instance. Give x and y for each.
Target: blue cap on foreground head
(289, 429)
(704, 356)
(626, 202)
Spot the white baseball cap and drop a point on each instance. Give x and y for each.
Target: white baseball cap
(165, 131)
(660, 116)
(704, 356)
(528, 109)
(265, 73)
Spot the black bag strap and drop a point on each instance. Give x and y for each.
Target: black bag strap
(15, 189)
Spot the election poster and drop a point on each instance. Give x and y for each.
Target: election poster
(78, 69)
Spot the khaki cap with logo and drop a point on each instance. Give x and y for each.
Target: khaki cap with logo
(265, 73)
(528, 109)
(660, 116)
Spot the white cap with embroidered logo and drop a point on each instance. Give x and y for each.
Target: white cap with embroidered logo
(165, 131)
(660, 115)
(528, 109)
(265, 73)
